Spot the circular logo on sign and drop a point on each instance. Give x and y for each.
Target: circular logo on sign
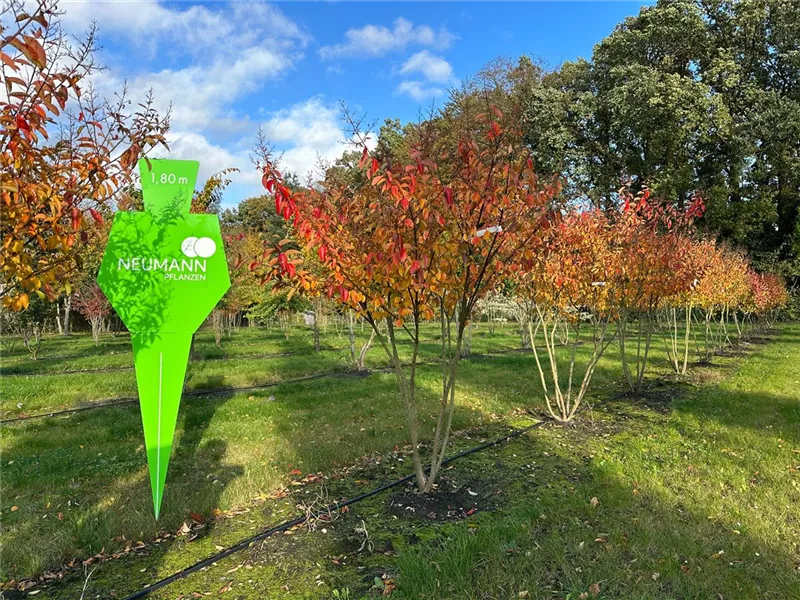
(187, 247)
(203, 247)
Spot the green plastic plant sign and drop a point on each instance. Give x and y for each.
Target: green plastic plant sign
(164, 270)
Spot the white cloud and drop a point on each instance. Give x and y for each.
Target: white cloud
(334, 69)
(224, 53)
(377, 40)
(433, 68)
(304, 132)
(197, 28)
(419, 90)
(202, 60)
(301, 134)
(201, 95)
(188, 145)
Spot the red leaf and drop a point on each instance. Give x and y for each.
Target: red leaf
(22, 124)
(7, 60)
(75, 216)
(37, 55)
(98, 218)
(283, 261)
(448, 197)
(363, 157)
(267, 181)
(323, 252)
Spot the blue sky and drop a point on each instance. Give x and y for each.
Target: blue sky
(227, 69)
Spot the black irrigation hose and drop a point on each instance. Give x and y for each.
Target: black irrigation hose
(114, 369)
(23, 357)
(335, 506)
(130, 368)
(200, 392)
(124, 401)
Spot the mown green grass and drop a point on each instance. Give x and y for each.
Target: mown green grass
(700, 502)
(251, 357)
(80, 481)
(673, 483)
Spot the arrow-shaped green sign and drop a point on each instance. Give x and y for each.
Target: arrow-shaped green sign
(163, 271)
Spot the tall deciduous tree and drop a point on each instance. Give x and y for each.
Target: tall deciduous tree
(688, 96)
(93, 305)
(648, 234)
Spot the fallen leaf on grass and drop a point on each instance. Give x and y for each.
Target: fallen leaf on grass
(594, 589)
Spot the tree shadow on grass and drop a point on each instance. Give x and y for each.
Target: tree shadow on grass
(99, 456)
(555, 541)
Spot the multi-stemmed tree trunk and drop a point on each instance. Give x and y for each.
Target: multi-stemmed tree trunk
(358, 359)
(677, 335)
(708, 336)
(635, 350)
(451, 343)
(32, 338)
(217, 325)
(565, 397)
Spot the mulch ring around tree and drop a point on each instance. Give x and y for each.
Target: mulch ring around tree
(448, 502)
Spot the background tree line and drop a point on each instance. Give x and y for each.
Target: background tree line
(689, 96)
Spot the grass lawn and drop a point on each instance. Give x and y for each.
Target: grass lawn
(68, 376)
(691, 492)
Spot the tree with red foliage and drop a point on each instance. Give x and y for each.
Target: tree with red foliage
(649, 235)
(92, 304)
(420, 241)
(64, 152)
(569, 280)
